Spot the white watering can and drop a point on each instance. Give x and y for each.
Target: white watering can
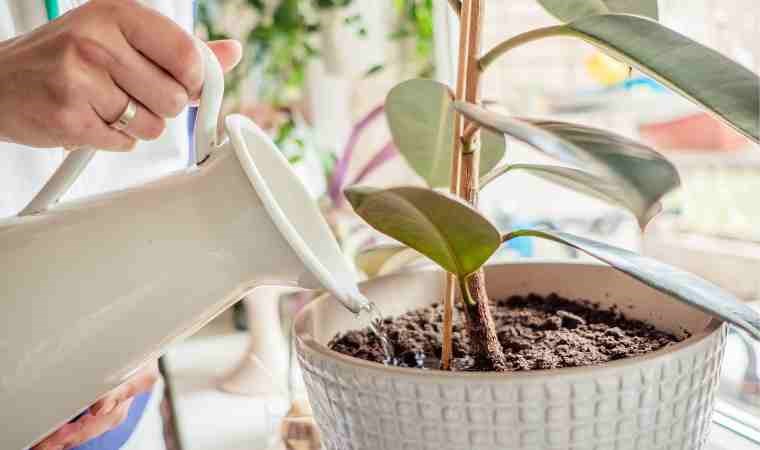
(91, 290)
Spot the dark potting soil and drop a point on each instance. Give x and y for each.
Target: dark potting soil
(536, 332)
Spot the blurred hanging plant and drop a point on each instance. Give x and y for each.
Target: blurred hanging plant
(280, 39)
(415, 28)
(278, 43)
(416, 23)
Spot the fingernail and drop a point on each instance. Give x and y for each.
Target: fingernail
(129, 146)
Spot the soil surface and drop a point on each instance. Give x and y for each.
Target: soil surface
(536, 333)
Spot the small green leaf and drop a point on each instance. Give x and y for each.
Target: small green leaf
(376, 261)
(421, 119)
(493, 146)
(681, 285)
(444, 229)
(611, 191)
(569, 10)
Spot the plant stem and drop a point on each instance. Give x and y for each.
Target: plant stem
(447, 350)
(385, 154)
(480, 325)
(456, 5)
(517, 41)
(469, 132)
(335, 188)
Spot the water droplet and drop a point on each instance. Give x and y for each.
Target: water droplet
(371, 317)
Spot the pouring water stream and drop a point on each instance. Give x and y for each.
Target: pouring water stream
(366, 312)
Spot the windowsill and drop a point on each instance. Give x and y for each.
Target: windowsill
(729, 428)
(722, 438)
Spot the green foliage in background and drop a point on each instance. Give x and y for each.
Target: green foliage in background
(278, 46)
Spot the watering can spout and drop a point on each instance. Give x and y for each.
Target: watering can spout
(90, 290)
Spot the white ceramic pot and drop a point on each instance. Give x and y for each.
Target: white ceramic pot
(659, 401)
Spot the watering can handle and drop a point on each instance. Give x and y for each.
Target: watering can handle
(207, 137)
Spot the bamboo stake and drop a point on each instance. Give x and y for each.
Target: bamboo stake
(456, 159)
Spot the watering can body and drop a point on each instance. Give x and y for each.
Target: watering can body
(91, 290)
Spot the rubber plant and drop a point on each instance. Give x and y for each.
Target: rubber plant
(453, 142)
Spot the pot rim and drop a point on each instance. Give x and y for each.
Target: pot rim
(309, 344)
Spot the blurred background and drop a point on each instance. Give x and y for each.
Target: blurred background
(315, 75)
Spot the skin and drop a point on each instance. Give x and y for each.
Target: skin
(62, 84)
(108, 413)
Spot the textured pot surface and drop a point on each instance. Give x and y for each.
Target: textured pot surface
(659, 401)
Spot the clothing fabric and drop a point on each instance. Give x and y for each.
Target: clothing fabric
(149, 433)
(23, 171)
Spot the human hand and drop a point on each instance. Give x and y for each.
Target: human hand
(63, 83)
(105, 415)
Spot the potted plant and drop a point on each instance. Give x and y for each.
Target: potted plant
(657, 399)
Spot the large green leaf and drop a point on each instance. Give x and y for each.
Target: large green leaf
(444, 229)
(697, 72)
(677, 283)
(606, 189)
(725, 88)
(569, 10)
(642, 176)
(421, 119)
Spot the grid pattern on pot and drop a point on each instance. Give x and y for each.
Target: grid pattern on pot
(664, 403)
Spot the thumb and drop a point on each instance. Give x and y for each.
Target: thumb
(228, 51)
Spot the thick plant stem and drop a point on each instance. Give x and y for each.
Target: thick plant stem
(480, 325)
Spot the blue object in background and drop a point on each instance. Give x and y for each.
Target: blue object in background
(642, 82)
(192, 113)
(523, 246)
(116, 438)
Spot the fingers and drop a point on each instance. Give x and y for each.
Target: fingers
(147, 83)
(85, 128)
(58, 440)
(90, 427)
(76, 75)
(141, 382)
(110, 102)
(228, 52)
(164, 43)
(85, 428)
